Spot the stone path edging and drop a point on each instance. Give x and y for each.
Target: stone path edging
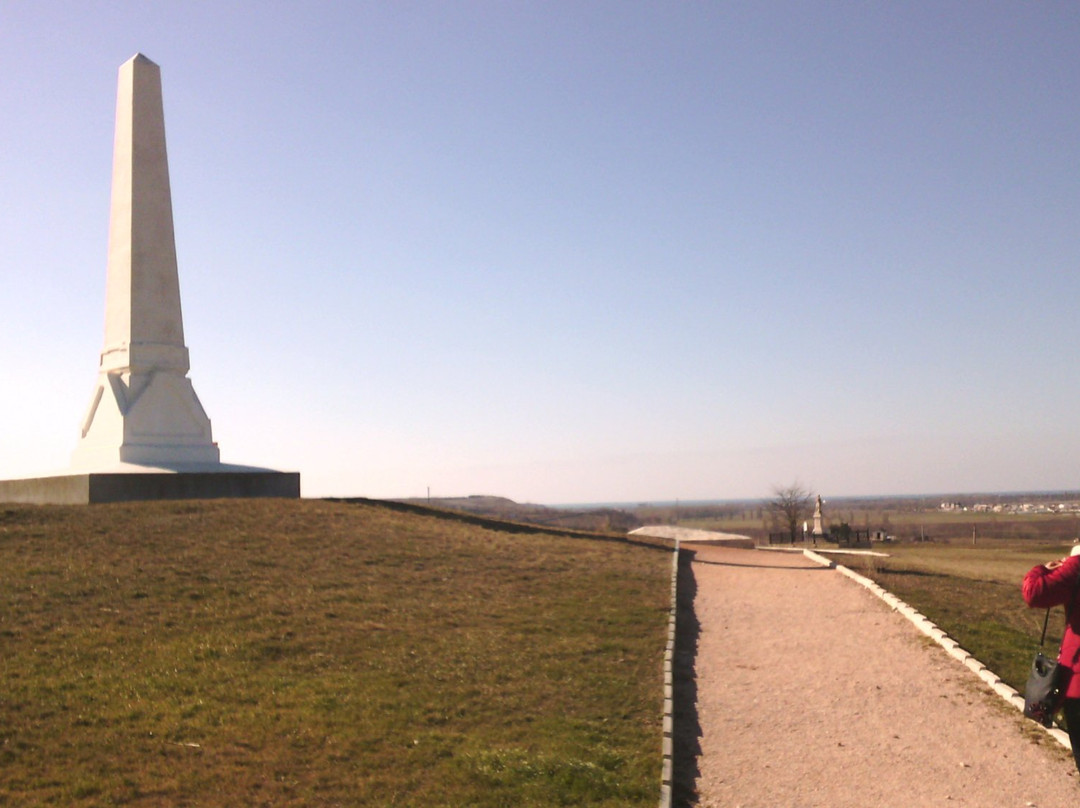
(667, 766)
(951, 646)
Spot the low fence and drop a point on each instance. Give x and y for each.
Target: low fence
(786, 538)
(850, 538)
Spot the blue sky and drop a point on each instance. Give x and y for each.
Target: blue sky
(571, 251)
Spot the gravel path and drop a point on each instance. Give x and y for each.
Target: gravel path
(797, 687)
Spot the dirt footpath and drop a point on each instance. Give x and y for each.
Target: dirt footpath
(797, 687)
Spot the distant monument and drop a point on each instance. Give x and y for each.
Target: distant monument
(145, 434)
(819, 520)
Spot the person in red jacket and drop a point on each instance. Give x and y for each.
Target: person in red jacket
(1055, 584)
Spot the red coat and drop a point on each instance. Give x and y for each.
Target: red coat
(1044, 588)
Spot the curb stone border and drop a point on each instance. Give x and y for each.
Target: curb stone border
(951, 646)
(669, 694)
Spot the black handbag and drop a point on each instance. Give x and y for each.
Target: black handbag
(1045, 685)
(1048, 679)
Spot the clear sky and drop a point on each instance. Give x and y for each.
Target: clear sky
(571, 251)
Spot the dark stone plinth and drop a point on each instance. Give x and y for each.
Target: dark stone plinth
(83, 489)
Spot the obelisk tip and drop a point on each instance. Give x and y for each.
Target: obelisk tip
(139, 57)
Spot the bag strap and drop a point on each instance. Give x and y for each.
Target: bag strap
(1068, 604)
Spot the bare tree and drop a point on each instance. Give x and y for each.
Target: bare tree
(791, 504)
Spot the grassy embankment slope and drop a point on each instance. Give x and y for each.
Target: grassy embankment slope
(315, 653)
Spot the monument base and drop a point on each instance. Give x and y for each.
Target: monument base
(94, 487)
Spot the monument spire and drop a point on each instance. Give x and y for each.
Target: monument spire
(144, 410)
(143, 323)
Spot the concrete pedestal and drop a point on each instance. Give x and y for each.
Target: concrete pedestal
(95, 487)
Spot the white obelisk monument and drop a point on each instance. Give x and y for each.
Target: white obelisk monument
(145, 435)
(144, 409)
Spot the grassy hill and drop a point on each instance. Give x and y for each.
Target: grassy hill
(316, 653)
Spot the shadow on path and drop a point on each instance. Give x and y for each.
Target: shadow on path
(686, 738)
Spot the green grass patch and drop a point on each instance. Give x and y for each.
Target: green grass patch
(315, 653)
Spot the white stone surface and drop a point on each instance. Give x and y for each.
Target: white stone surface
(689, 534)
(144, 410)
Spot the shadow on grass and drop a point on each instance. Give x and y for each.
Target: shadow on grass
(686, 738)
(914, 573)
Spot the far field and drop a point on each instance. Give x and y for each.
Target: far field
(313, 653)
(904, 518)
